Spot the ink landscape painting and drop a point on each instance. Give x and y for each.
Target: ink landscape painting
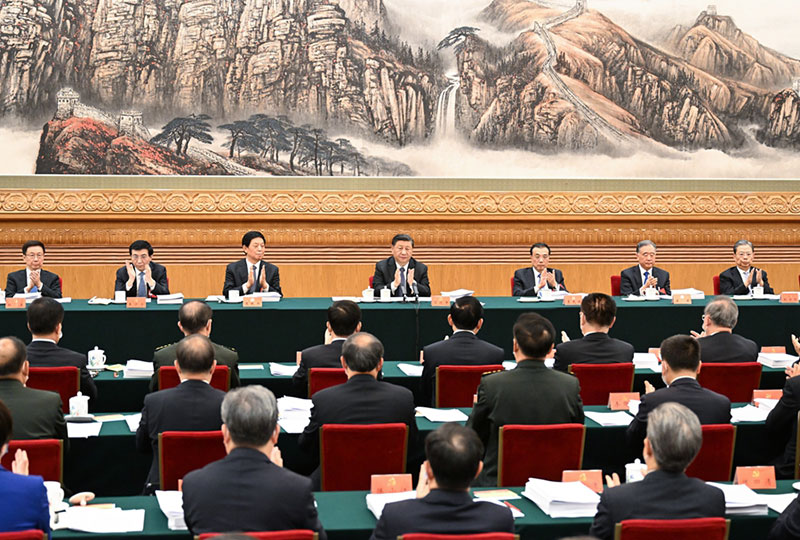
(396, 88)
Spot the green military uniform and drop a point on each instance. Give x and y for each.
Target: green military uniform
(165, 356)
(37, 414)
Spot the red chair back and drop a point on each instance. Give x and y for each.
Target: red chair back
(481, 536)
(321, 378)
(456, 385)
(294, 534)
(30, 534)
(168, 378)
(736, 380)
(512, 285)
(538, 452)
(342, 451)
(45, 457)
(715, 460)
(615, 285)
(599, 380)
(669, 529)
(65, 381)
(181, 452)
(371, 278)
(715, 280)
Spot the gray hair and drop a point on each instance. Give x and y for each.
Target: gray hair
(643, 243)
(675, 436)
(362, 352)
(722, 311)
(742, 243)
(250, 413)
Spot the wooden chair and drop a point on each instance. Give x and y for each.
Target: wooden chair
(168, 378)
(714, 462)
(45, 457)
(30, 534)
(294, 534)
(322, 378)
(512, 285)
(599, 380)
(737, 380)
(542, 451)
(456, 385)
(670, 529)
(615, 285)
(480, 536)
(715, 281)
(65, 381)
(181, 452)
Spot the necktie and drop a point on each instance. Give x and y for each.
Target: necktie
(646, 277)
(254, 288)
(402, 288)
(142, 290)
(34, 289)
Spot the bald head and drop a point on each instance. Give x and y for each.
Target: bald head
(362, 352)
(194, 316)
(195, 354)
(12, 357)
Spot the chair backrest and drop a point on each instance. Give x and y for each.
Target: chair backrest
(181, 452)
(670, 529)
(774, 349)
(736, 380)
(44, 455)
(715, 280)
(543, 451)
(456, 385)
(168, 378)
(65, 381)
(512, 285)
(480, 536)
(294, 534)
(599, 380)
(714, 462)
(322, 378)
(615, 285)
(30, 534)
(343, 448)
(371, 279)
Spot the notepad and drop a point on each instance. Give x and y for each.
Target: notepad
(412, 370)
(282, 370)
(442, 415)
(606, 419)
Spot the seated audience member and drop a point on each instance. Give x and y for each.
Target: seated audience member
(363, 399)
(680, 364)
(787, 526)
(530, 281)
(252, 274)
(462, 349)
(597, 316)
(401, 272)
(193, 405)
(249, 490)
(782, 420)
(195, 318)
(717, 342)
(140, 276)
(444, 504)
(23, 498)
(344, 320)
(45, 322)
(33, 278)
(741, 279)
(636, 279)
(673, 440)
(529, 394)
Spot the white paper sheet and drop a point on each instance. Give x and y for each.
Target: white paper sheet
(766, 403)
(133, 421)
(442, 415)
(458, 293)
(138, 369)
(376, 501)
(171, 504)
(102, 521)
(748, 413)
(645, 360)
(294, 422)
(289, 403)
(245, 367)
(778, 502)
(616, 418)
(282, 370)
(562, 499)
(83, 431)
(412, 370)
(776, 360)
(508, 365)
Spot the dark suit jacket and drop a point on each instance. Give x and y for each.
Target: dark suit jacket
(23, 503)
(318, 356)
(661, 495)
(159, 274)
(525, 281)
(165, 356)
(787, 526)
(529, 394)
(17, 281)
(442, 512)
(782, 421)
(462, 349)
(384, 276)
(727, 347)
(46, 354)
(631, 280)
(730, 282)
(245, 491)
(37, 414)
(710, 407)
(190, 406)
(237, 273)
(594, 348)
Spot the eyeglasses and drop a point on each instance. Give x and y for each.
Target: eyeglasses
(34, 255)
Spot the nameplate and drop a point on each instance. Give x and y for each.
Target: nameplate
(618, 401)
(440, 301)
(656, 351)
(766, 394)
(774, 350)
(390, 483)
(755, 477)
(682, 298)
(790, 298)
(136, 302)
(15, 303)
(573, 299)
(591, 478)
(252, 302)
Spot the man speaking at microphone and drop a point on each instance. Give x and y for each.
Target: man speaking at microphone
(401, 273)
(251, 274)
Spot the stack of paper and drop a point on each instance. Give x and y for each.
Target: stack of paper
(94, 300)
(605, 419)
(458, 293)
(83, 430)
(282, 370)
(133, 421)
(442, 415)
(777, 360)
(176, 298)
(646, 360)
(508, 365)
(293, 413)
(215, 298)
(562, 499)
(696, 294)
(64, 300)
(101, 520)
(137, 369)
(766, 403)
(270, 296)
(171, 504)
(376, 501)
(356, 299)
(741, 500)
(412, 370)
(748, 413)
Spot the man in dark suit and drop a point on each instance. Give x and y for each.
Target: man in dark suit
(251, 274)
(597, 316)
(444, 504)
(673, 440)
(344, 320)
(140, 276)
(33, 278)
(195, 318)
(741, 279)
(249, 490)
(636, 279)
(718, 343)
(532, 280)
(529, 394)
(361, 400)
(193, 405)
(402, 273)
(680, 364)
(45, 318)
(462, 349)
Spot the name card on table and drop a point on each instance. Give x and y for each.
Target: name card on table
(682, 298)
(790, 298)
(440, 301)
(618, 401)
(573, 299)
(766, 394)
(656, 351)
(755, 477)
(591, 478)
(15, 303)
(136, 302)
(390, 483)
(252, 302)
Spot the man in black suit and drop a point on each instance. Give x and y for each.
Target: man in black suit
(717, 341)
(251, 274)
(344, 320)
(532, 280)
(597, 316)
(636, 279)
(402, 273)
(673, 440)
(140, 276)
(45, 321)
(444, 504)
(462, 349)
(249, 490)
(361, 400)
(33, 278)
(193, 405)
(529, 394)
(680, 364)
(741, 279)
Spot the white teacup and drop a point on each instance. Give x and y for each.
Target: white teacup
(368, 294)
(97, 358)
(119, 296)
(386, 294)
(79, 405)
(233, 295)
(651, 292)
(758, 292)
(634, 472)
(55, 493)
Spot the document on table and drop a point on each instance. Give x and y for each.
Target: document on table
(508, 365)
(171, 504)
(294, 422)
(412, 370)
(83, 430)
(777, 360)
(748, 413)
(250, 366)
(288, 403)
(741, 500)
(778, 502)
(280, 370)
(101, 520)
(376, 501)
(133, 421)
(643, 360)
(458, 293)
(138, 369)
(562, 499)
(442, 415)
(633, 406)
(605, 419)
(766, 403)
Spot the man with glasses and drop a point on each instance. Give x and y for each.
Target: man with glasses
(636, 279)
(141, 276)
(33, 278)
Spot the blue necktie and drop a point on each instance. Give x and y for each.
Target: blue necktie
(402, 288)
(34, 289)
(142, 290)
(646, 277)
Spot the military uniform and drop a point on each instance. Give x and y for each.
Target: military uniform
(165, 356)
